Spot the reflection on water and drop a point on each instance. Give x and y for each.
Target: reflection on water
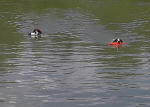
(71, 65)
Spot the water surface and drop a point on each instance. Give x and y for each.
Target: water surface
(71, 65)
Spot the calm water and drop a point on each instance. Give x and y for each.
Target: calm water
(71, 65)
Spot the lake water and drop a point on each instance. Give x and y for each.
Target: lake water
(72, 65)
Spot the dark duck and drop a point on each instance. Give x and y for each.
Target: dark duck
(116, 42)
(119, 41)
(36, 33)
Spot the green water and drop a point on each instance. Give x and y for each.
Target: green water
(72, 65)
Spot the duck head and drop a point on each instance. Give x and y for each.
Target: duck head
(36, 33)
(118, 40)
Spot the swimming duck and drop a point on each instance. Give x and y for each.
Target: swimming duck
(36, 33)
(117, 42)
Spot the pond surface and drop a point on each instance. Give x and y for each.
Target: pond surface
(72, 65)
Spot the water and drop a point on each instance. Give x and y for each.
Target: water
(71, 65)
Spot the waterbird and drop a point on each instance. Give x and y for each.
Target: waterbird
(36, 33)
(116, 41)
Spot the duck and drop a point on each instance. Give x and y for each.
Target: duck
(36, 33)
(117, 41)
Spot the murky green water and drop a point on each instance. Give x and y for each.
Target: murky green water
(71, 65)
